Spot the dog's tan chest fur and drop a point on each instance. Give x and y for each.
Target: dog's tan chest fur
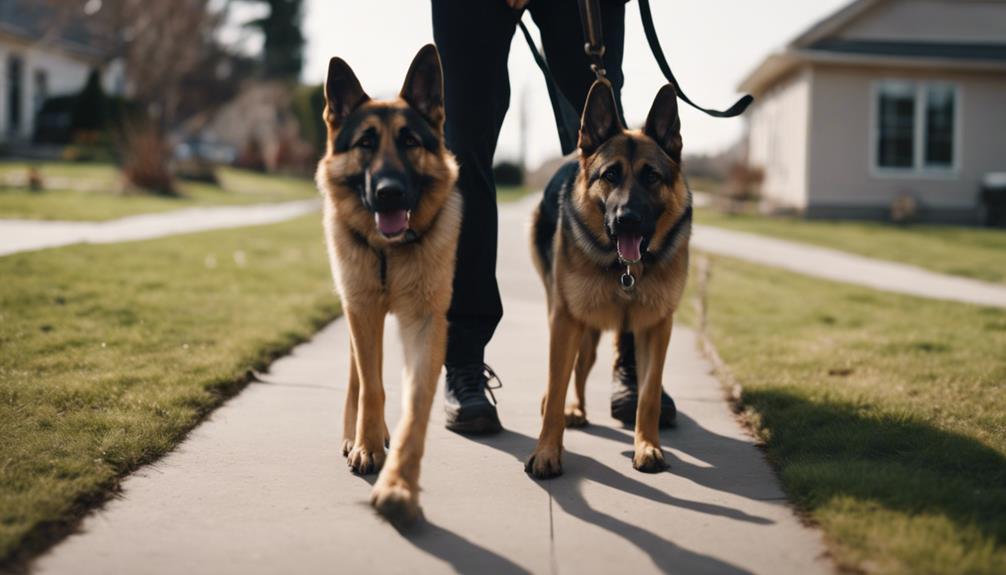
(593, 295)
(417, 276)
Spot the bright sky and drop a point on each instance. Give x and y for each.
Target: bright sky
(711, 45)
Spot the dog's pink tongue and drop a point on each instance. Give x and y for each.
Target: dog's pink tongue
(393, 222)
(628, 247)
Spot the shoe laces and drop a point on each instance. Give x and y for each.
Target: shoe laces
(472, 379)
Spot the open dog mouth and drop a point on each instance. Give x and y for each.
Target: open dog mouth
(628, 246)
(392, 223)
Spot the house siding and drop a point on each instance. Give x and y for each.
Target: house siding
(778, 129)
(842, 178)
(931, 21)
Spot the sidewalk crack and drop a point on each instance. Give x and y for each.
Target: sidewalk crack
(553, 562)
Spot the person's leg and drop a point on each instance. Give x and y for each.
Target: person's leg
(474, 42)
(562, 41)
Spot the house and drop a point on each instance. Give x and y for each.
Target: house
(40, 58)
(882, 103)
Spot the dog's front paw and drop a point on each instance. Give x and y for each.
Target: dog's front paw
(575, 417)
(649, 458)
(347, 446)
(396, 501)
(364, 461)
(545, 463)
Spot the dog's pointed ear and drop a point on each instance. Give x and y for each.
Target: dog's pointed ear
(343, 93)
(600, 120)
(663, 123)
(423, 88)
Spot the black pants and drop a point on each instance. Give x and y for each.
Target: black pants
(474, 38)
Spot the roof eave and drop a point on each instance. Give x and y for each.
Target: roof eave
(771, 69)
(73, 50)
(833, 23)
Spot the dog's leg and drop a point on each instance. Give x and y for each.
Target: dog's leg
(367, 329)
(396, 493)
(576, 413)
(352, 404)
(651, 352)
(564, 338)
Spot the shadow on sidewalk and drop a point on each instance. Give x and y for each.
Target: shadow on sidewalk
(719, 452)
(566, 492)
(463, 555)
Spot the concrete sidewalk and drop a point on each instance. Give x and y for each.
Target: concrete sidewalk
(846, 267)
(29, 235)
(262, 487)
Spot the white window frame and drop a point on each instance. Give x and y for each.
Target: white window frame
(919, 169)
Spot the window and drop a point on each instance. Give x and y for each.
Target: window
(896, 145)
(915, 126)
(15, 77)
(939, 126)
(41, 89)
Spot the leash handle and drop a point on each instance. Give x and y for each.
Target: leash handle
(651, 37)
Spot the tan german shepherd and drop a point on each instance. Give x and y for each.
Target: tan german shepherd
(392, 218)
(610, 241)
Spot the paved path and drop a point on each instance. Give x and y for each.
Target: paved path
(262, 487)
(28, 235)
(845, 267)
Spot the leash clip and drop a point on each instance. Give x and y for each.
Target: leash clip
(596, 56)
(600, 73)
(592, 51)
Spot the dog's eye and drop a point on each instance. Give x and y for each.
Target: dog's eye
(612, 174)
(651, 177)
(410, 141)
(367, 142)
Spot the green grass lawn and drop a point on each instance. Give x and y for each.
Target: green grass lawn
(110, 354)
(88, 192)
(81, 191)
(506, 194)
(971, 252)
(884, 414)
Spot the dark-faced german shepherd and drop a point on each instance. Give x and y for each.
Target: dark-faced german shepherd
(392, 218)
(610, 241)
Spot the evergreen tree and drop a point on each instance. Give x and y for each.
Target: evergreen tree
(283, 50)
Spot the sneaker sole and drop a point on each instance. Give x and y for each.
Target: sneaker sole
(477, 426)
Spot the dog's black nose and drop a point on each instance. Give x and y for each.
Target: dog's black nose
(627, 222)
(389, 190)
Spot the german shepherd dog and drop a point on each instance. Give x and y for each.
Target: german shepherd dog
(392, 218)
(610, 242)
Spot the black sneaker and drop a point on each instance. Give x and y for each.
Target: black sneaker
(469, 411)
(625, 395)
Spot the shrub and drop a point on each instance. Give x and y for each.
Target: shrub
(309, 105)
(508, 174)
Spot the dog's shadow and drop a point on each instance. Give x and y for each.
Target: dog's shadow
(466, 556)
(463, 555)
(720, 453)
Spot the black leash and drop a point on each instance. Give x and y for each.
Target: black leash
(566, 119)
(651, 36)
